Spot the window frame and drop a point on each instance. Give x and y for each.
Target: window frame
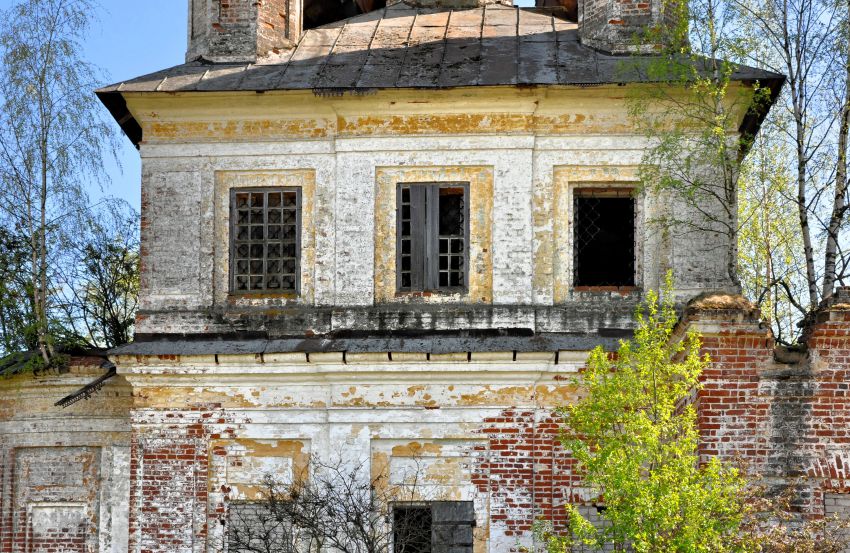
(396, 506)
(431, 269)
(614, 191)
(232, 224)
(433, 506)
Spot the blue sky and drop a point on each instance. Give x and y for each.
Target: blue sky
(132, 39)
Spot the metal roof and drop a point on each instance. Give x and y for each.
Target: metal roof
(405, 47)
(401, 46)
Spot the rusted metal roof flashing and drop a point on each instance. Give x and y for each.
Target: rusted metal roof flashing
(88, 390)
(401, 47)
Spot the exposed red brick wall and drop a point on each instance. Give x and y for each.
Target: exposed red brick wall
(614, 23)
(168, 494)
(64, 480)
(59, 540)
(787, 421)
(169, 473)
(524, 470)
(273, 25)
(236, 12)
(829, 346)
(730, 407)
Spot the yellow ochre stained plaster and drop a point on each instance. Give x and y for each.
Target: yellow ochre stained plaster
(305, 179)
(282, 115)
(480, 179)
(552, 261)
(293, 450)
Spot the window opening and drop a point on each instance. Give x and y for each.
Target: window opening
(322, 12)
(436, 526)
(604, 238)
(412, 527)
(433, 237)
(265, 240)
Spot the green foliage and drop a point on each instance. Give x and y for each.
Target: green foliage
(69, 269)
(30, 363)
(770, 254)
(634, 436)
(101, 285)
(690, 110)
(17, 319)
(53, 138)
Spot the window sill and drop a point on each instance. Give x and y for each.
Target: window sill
(263, 296)
(622, 290)
(433, 293)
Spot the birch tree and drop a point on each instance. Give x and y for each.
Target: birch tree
(690, 110)
(807, 41)
(770, 254)
(53, 138)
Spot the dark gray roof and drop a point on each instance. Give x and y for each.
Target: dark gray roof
(546, 342)
(405, 47)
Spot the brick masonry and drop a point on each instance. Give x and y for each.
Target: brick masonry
(64, 475)
(526, 472)
(787, 419)
(152, 463)
(242, 30)
(785, 416)
(198, 427)
(838, 504)
(615, 25)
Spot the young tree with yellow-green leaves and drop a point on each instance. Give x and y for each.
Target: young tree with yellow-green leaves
(770, 247)
(635, 438)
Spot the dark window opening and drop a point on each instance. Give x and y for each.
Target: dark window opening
(435, 527)
(433, 237)
(265, 238)
(604, 238)
(322, 12)
(412, 529)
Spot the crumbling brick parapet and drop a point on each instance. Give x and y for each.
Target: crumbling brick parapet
(785, 417)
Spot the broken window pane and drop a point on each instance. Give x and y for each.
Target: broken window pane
(604, 238)
(433, 237)
(265, 234)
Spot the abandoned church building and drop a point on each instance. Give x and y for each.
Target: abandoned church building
(392, 239)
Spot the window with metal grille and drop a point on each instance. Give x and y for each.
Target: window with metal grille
(433, 237)
(265, 237)
(604, 237)
(434, 527)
